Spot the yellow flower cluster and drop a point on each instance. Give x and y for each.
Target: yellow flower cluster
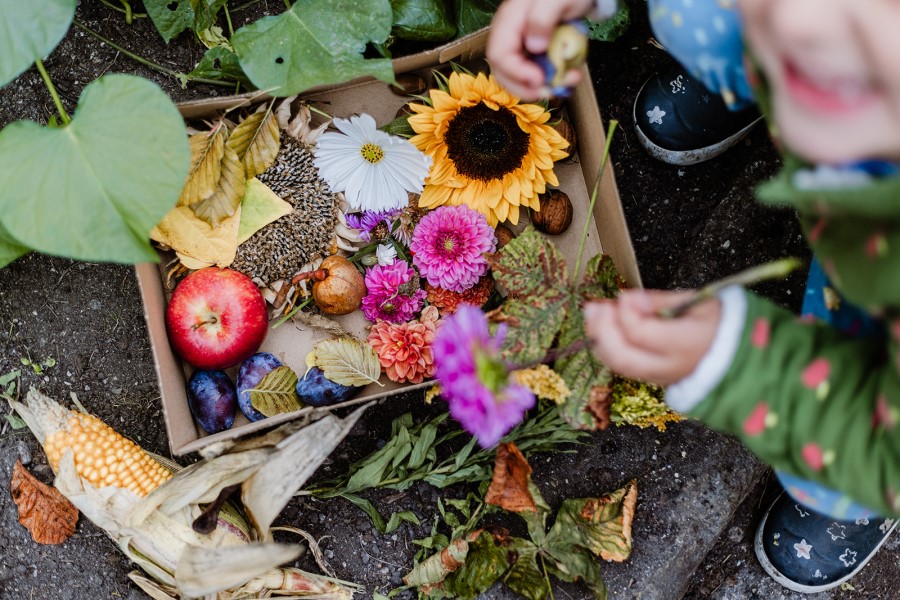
(544, 382)
(640, 404)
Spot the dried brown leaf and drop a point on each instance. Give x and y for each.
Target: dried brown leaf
(43, 511)
(256, 141)
(207, 150)
(598, 405)
(509, 488)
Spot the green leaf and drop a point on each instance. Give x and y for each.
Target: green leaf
(601, 525)
(171, 17)
(370, 472)
(219, 63)
(307, 46)
(6, 378)
(525, 577)
(399, 126)
(612, 28)
(575, 564)
(529, 264)
(485, 563)
(29, 31)
(396, 518)
(581, 372)
(369, 509)
(437, 566)
(276, 392)
(94, 189)
(205, 13)
(472, 15)
(423, 445)
(10, 249)
(15, 422)
(423, 20)
(601, 279)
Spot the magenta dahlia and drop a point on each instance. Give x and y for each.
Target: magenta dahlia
(449, 246)
(474, 379)
(393, 293)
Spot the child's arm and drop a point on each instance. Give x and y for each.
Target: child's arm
(801, 395)
(522, 27)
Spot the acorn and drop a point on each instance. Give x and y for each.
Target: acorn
(409, 84)
(504, 235)
(555, 215)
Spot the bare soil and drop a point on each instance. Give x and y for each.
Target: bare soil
(688, 225)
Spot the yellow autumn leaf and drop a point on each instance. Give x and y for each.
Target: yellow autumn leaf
(260, 207)
(229, 192)
(195, 239)
(346, 361)
(256, 140)
(207, 151)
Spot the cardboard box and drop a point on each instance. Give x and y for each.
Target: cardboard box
(607, 233)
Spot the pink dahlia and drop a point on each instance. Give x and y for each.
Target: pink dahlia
(404, 349)
(449, 246)
(392, 293)
(475, 380)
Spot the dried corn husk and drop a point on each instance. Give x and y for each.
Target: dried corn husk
(236, 560)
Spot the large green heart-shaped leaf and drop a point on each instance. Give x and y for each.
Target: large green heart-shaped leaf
(317, 42)
(10, 249)
(472, 15)
(29, 30)
(423, 20)
(94, 189)
(171, 17)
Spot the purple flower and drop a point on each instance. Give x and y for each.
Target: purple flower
(449, 244)
(368, 220)
(474, 379)
(393, 293)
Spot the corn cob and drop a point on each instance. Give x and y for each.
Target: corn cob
(103, 457)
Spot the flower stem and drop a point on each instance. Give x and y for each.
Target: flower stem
(293, 312)
(287, 4)
(182, 77)
(59, 107)
(777, 269)
(587, 222)
(228, 20)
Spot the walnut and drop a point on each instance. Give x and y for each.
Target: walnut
(555, 215)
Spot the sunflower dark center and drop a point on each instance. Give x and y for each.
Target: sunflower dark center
(486, 144)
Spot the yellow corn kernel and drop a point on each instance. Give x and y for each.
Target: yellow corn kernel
(103, 457)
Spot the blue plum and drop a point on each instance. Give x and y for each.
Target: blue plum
(212, 399)
(250, 374)
(317, 390)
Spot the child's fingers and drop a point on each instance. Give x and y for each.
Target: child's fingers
(614, 349)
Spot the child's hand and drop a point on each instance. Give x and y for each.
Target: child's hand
(631, 340)
(523, 27)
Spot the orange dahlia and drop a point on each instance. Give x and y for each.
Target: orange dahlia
(488, 151)
(404, 349)
(448, 301)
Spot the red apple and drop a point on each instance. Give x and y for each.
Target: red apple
(216, 318)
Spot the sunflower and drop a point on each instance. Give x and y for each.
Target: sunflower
(489, 152)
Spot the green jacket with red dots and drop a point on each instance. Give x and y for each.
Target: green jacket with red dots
(803, 396)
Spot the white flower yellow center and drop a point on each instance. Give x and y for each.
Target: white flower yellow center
(372, 153)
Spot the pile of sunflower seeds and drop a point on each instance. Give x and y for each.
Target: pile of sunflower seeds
(281, 249)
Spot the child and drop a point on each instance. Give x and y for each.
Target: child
(821, 405)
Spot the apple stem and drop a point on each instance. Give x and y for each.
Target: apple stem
(209, 321)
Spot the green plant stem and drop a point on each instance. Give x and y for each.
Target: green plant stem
(318, 110)
(129, 14)
(228, 20)
(245, 5)
(287, 3)
(587, 222)
(59, 107)
(293, 312)
(148, 63)
(777, 269)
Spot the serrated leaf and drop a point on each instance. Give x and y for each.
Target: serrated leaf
(259, 207)
(220, 63)
(31, 30)
(307, 46)
(528, 265)
(612, 28)
(94, 189)
(170, 17)
(533, 325)
(276, 392)
(601, 279)
(229, 192)
(485, 563)
(256, 141)
(601, 525)
(347, 361)
(207, 152)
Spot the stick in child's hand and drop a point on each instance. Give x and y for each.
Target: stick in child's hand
(774, 270)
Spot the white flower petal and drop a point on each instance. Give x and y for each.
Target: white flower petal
(386, 254)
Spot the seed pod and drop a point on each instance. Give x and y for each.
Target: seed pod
(409, 84)
(555, 215)
(504, 235)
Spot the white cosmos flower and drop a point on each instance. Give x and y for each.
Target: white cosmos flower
(376, 171)
(386, 254)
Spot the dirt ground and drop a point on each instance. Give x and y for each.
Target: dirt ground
(688, 225)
